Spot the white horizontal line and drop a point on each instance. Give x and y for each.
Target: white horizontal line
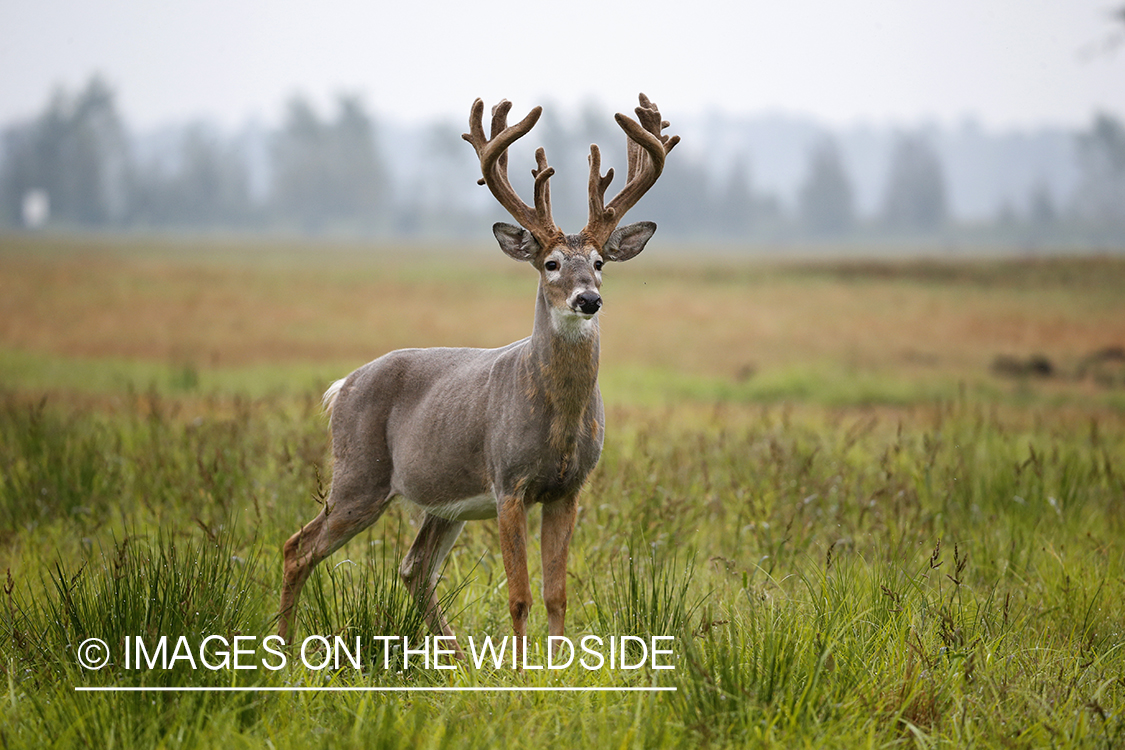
(229, 689)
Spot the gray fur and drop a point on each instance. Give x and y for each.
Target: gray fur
(467, 434)
(460, 432)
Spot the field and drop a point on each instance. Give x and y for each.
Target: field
(869, 503)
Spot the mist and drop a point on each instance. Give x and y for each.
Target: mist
(345, 170)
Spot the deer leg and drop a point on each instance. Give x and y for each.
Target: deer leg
(421, 568)
(513, 546)
(298, 561)
(345, 514)
(558, 524)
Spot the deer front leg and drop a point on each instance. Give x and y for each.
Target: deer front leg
(512, 517)
(558, 525)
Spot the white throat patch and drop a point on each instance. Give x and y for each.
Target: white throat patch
(573, 325)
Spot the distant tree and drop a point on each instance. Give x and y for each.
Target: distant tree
(76, 153)
(1041, 209)
(1100, 197)
(439, 196)
(364, 184)
(681, 202)
(1006, 214)
(915, 197)
(596, 126)
(734, 206)
(1109, 43)
(208, 187)
(826, 203)
(15, 185)
(329, 174)
(566, 152)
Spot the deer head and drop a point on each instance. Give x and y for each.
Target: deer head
(570, 265)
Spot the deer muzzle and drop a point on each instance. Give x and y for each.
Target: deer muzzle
(588, 302)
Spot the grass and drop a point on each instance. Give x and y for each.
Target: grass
(850, 549)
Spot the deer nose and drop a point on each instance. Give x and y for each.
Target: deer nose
(589, 302)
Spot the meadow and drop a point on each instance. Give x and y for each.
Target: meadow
(872, 503)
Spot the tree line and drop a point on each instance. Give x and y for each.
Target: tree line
(77, 165)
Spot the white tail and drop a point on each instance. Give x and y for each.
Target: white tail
(485, 433)
(328, 401)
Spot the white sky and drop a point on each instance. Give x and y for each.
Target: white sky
(1006, 63)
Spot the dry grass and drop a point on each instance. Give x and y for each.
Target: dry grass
(724, 318)
(181, 308)
(893, 316)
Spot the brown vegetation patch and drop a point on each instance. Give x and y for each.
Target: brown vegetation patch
(242, 305)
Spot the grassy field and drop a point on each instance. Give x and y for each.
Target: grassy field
(844, 490)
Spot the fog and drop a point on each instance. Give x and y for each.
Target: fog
(880, 122)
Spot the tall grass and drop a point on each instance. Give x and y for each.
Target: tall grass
(925, 662)
(367, 600)
(650, 593)
(948, 574)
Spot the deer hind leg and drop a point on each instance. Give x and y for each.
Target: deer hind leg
(558, 525)
(421, 569)
(347, 512)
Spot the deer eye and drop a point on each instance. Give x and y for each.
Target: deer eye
(597, 265)
(551, 265)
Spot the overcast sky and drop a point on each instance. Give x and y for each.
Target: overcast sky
(1006, 63)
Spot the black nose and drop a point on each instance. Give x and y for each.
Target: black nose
(589, 302)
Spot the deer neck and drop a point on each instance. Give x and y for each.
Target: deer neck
(562, 367)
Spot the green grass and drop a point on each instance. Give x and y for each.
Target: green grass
(42, 372)
(855, 534)
(951, 575)
(823, 383)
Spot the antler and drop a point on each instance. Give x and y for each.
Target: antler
(493, 155)
(646, 151)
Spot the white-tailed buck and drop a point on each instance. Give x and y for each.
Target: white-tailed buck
(469, 434)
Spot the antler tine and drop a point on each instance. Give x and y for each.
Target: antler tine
(499, 123)
(646, 150)
(598, 184)
(500, 117)
(542, 173)
(493, 155)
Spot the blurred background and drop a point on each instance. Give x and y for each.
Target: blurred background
(883, 322)
(873, 124)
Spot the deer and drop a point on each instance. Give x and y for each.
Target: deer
(471, 434)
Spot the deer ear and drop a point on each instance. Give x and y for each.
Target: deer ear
(627, 242)
(516, 242)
